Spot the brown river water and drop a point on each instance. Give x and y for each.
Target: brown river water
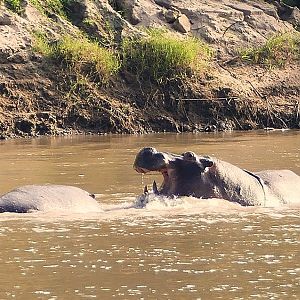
(173, 249)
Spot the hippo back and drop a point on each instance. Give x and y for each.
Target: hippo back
(283, 185)
(48, 198)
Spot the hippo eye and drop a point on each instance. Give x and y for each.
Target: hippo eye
(189, 155)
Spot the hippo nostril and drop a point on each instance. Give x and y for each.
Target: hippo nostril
(189, 155)
(149, 150)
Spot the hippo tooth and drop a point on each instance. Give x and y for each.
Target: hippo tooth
(145, 190)
(154, 187)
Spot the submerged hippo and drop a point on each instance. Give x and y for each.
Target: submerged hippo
(205, 177)
(48, 198)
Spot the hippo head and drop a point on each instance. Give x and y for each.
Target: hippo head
(183, 175)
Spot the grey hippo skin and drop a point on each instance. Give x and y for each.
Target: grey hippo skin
(48, 198)
(206, 177)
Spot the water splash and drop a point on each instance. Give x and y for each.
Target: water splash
(142, 179)
(150, 205)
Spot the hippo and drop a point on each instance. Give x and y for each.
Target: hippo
(48, 198)
(205, 177)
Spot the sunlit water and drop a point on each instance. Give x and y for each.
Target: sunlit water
(173, 249)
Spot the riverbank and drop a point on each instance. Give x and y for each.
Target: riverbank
(46, 94)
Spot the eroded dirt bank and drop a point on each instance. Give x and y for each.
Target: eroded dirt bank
(38, 96)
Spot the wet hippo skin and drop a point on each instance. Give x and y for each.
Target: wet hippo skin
(189, 174)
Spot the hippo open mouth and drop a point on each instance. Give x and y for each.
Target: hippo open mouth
(189, 174)
(149, 160)
(181, 173)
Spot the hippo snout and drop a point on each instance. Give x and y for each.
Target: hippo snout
(149, 159)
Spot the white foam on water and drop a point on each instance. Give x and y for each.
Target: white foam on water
(155, 206)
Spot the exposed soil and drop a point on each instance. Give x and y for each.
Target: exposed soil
(40, 97)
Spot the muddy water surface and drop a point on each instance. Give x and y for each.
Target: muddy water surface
(184, 249)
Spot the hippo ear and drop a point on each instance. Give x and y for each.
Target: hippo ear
(207, 162)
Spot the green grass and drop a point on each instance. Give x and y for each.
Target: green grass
(49, 6)
(277, 51)
(81, 55)
(86, 55)
(14, 5)
(42, 45)
(59, 7)
(160, 57)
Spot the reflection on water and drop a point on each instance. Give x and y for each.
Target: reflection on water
(185, 249)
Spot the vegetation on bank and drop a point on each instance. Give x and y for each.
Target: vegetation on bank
(81, 55)
(160, 57)
(276, 52)
(14, 5)
(60, 7)
(51, 6)
(157, 57)
(87, 57)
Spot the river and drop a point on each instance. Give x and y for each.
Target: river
(184, 249)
